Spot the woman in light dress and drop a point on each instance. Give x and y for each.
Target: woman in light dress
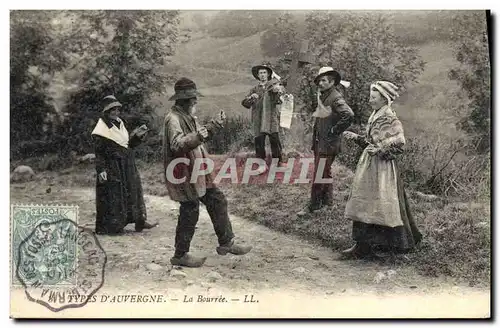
(378, 205)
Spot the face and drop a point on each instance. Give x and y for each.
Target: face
(376, 99)
(324, 83)
(263, 75)
(191, 106)
(114, 112)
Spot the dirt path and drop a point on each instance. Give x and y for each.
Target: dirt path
(278, 262)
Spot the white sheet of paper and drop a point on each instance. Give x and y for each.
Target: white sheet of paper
(286, 114)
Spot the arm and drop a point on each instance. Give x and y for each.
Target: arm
(361, 141)
(99, 150)
(248, 102)
(278, 90)
(392, 145)
(135, 140)
(346, 117)
(179, 141)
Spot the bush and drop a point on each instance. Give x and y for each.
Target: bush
(235, 135)
(474, 76)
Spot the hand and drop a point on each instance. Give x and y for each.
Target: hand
(203, 132)
(254, 96)
(349, 135)
(222, 116)
(140, 131)
(372, 149)
(103, 176)
(278, 89)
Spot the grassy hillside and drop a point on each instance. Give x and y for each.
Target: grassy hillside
(432, 99)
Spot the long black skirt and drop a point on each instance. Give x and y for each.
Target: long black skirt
(120, 199)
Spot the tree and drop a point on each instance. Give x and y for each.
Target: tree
(362, 46)
(278, 40)
(473, 75)
(33, 61)
(123, 53)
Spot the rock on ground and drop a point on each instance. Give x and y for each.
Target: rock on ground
(214, 276)
(153, 267)
(22, 173)
(178, 273)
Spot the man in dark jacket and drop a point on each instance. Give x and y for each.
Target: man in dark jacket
(263, 100)
(333, 116)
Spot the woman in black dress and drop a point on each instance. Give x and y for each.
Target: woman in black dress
(119, 195)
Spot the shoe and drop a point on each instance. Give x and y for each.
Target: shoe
(308, 209)
(328, 202)
(357, 251)
(144, 225)
(233, 249)
(188, 260)
(110, 233)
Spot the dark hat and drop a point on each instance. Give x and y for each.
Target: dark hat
(110, 102)
(185, 89)
(255, 70)
(328, 71)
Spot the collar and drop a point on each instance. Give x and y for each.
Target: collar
(180, 110)
(327, 92)
(111, 122)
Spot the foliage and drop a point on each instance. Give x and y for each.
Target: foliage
(275, 42)
(362, 47)
(121, 53)
(234, 135)
(35, 55)
(474, 76)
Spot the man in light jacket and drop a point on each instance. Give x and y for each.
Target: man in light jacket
(183, 139)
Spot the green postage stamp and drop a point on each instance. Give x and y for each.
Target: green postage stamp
(59, 264)
(59, 258)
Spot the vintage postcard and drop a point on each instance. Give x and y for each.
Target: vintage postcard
(250, 164)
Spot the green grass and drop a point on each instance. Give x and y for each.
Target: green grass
(456, 235)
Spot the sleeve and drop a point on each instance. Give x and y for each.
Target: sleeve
(346, 116)
(314, 104)
(394, 141)
(136, 140)
(248, 102)
(100, 150)
(277, 90)
(179, 141)
(361, 141)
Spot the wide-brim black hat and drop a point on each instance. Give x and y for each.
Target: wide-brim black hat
(185, 89)
(328, 71)
(255, 71)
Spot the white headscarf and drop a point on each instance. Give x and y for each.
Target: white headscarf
(386, 89)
